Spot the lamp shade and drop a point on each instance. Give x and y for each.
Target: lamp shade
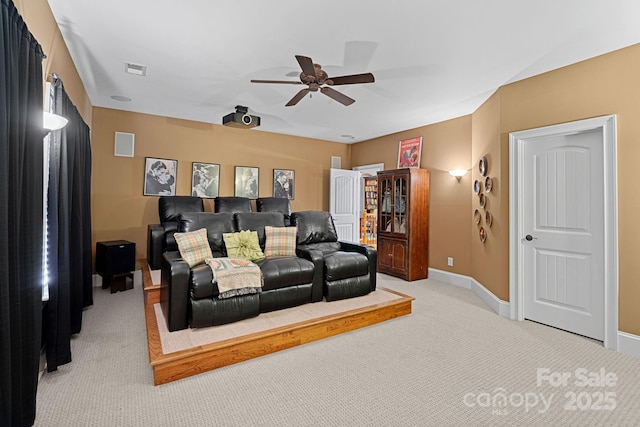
(458, 172)
(52, 121)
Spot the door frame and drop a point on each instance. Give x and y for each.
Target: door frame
(517, 140)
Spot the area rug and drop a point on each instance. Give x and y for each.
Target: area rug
(172, 342)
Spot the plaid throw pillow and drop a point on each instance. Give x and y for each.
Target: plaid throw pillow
(280, 241)
(194, 246)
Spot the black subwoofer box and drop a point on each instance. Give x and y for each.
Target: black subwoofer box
(114, 258)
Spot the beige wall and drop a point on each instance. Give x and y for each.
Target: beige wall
(600, 86)
(119, 209)
(489, 259)
(604, 85)
(445, 146)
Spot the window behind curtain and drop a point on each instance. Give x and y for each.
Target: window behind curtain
(49, 94)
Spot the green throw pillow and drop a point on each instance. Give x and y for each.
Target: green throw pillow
(193, 246)
(243, 244)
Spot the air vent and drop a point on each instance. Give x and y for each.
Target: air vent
(137, 69)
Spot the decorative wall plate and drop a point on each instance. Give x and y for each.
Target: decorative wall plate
(477, 217)
(483, 201)
(483, 234)
(488, 218)
(483, 166)
(488, 184)
(477, 187)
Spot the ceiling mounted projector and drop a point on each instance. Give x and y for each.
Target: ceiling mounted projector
(241, 119)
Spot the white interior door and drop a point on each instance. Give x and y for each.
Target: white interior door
(344, 203)
(563, 225)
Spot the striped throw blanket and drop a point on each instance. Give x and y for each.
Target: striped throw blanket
(235, 276)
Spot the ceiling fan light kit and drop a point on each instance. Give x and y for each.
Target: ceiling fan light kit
(316, 79)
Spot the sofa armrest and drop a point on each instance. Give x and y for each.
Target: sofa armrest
(317, 259)
(369, 252)
(155, 237)
(174, 291)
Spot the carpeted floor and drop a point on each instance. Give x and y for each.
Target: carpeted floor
(452, 362)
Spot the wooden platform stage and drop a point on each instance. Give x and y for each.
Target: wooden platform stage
(203, 358)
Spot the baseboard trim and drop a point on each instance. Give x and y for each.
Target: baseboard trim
(627, 343)
(96, 280)
(500, 307)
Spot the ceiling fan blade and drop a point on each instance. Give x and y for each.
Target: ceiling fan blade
(340, 97)
(306, 64)
(277, 81)
(352, 79)
(297, 98)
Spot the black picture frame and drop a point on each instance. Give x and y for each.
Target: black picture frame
(160, 176)
(284, 183)
(205, 180)
(247, 182)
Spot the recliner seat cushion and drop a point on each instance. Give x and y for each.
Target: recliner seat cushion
(283, 272)
(343, 265)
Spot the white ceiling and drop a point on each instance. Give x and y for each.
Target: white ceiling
(432, 59)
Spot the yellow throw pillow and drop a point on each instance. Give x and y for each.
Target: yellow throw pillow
(194, 246)
(280, 241)
(243, 244)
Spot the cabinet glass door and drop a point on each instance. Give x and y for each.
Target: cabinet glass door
(400, 205)
(386, 204)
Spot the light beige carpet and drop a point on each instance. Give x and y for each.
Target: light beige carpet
(447, 364)
(188, 338)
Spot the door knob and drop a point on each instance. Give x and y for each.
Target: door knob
(529, 237)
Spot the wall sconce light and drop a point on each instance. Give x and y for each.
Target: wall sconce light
(458, 173)
(52, 121)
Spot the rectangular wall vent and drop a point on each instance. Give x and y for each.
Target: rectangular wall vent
(137, 69)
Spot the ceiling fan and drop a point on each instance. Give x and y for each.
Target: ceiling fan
(316, 79)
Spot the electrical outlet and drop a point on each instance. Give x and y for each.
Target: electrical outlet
(450, 261)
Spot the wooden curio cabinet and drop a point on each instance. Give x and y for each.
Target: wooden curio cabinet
(403, 223)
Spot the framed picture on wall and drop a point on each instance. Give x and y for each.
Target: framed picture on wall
(284, 183)
(205, 179)
(409, 152)
(247, 182)
(160, 177)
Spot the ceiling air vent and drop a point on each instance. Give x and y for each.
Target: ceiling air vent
(137, 69)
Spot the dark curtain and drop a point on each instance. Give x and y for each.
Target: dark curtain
(69, 229)
(21, 205)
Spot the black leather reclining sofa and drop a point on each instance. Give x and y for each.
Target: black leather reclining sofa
(322, 268)
(189, 296)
